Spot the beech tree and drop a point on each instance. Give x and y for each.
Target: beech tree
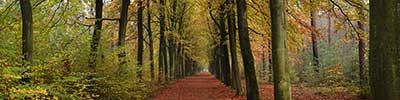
(96, 35)
(224, 53)
(162, 55)
(247, 55)
(362, 53)
(279, 50)
(236, 81)
(384, 54)
(150, 35)
(123, 21)
(140, 38)
(27, 30)
(314, 38)
(171, 41)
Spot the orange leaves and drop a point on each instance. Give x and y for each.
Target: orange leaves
(337, 69)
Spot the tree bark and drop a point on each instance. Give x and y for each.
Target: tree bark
(179, 51)
(329, 29)
(171, 40)
(225, 67)
(361, 55)
(218, 63)
(27, 30)
(384, 44)
(178, 70)
(165, 58)
(247, 55)
(122, 31)
(150, 34)
(281, 75)
(96, 36)
(314, 39)
(236, 82)
(270, 69)
(171, 52)
(140, 40)
(162, 52)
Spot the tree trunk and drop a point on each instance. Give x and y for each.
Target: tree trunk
(171, 49)
(279, 50)
(247, 55)
(96, 36)
(183, 63)
(384, 55)
(217, 63)
(236, 82)
(178, 70)
(150, 40)
(27, 30)
(179, 53)
(140, 40)
(270, 69)
(226, 70)
(329, 29)
(122, 31)
(171, 40)
(165, 58)
(314, 39)
(361, 55)
(162, 52)
(182, 60)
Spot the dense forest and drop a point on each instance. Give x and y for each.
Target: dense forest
(200, 49)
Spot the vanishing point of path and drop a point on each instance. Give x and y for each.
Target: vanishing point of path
(202, 86)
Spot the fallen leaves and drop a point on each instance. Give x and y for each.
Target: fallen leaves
(203, 86)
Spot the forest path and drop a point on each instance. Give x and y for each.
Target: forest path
(202, 86)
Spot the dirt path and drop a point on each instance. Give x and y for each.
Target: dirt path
(199, 87)
(204, 86)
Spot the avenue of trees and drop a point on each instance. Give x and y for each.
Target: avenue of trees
(127, 49)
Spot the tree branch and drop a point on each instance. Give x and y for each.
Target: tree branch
(211, 14)
(345, 15)
(8, 8)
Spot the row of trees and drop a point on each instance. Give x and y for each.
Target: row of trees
(220, 67)
(174, 66)
(175, 54)
(219, 64)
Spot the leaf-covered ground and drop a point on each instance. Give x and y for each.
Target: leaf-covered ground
(203, 86)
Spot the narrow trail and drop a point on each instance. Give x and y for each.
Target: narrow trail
(202, 86)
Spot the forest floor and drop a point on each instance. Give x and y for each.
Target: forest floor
(204, 86)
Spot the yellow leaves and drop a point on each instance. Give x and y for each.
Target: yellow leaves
(55, 98)
(37, 91)
(3, 62)
(10, 77)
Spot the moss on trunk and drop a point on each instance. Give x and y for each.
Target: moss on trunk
(385, 50)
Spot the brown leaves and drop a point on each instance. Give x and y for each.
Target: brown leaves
(205, 87)
(200, 87)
